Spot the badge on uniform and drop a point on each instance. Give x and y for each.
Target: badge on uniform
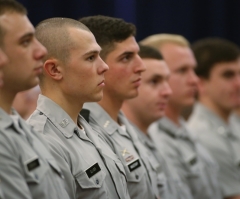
(32, 163)
(134, 165)
(93, 170)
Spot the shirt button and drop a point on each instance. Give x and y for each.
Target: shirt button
(40, 113)
(137, 177)
(97, 181)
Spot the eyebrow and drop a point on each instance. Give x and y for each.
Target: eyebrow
(30, 34)
(92, 52)
(126, 53)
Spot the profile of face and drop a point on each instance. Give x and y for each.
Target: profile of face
(183, 80)
(83, 72)
(3, 61)
(125, 68)
(154, 92)
(23, 50)
(222, 88)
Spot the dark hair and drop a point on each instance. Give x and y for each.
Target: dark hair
(211, 51)
(10, 6)
(149, 52)
(108, 30)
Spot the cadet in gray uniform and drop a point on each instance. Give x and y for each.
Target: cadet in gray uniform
(73, 74)
(27, 169)
(148, 107)
(192, 162)
(219, 94)
(120, 52)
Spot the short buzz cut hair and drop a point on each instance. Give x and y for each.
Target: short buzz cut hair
(53, 33)
(211, 51)
(158, 40)
(108, 31)
(10, 6)
(148, 52)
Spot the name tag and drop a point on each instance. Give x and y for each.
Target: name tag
(32, 163)
(134, 165)
(93, 170)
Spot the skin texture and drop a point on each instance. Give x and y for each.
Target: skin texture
(25, 55)
(3, 61)
(81, 78)
(124, 76)
(221, 91)
(183, 80)
(153, 96)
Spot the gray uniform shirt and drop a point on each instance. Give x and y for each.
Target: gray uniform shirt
(27, 168)
(91, 169)
(169, 181)
(140, 168)
(192, 162)
(223, 142)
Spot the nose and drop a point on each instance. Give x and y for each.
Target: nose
(3, 58)
(193, 78)
(139, 65)
(166, 91)
(40, 51)
(103, 67)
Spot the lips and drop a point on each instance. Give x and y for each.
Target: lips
(101, 83)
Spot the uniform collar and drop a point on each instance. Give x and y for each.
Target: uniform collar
(212, 119)
(102, 118)
(5, 120)
(56, 115)
(169, 127)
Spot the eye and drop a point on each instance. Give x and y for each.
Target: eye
(228, 74)
(182, 70)
(91, 58)
(26, 42)
(127, 57)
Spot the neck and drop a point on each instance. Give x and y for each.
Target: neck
(69, 104)
(142, 124)
(173, 113)
(111, 105)
(6, 100)
(218, 110)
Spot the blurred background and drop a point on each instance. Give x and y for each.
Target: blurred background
(194, 19)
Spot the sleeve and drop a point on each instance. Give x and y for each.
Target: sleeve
(13, 183)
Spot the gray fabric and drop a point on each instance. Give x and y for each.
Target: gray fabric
(223, 142)
(76, 152)
(174, 188)
(127, 150)
(21, 175)
(192, 162)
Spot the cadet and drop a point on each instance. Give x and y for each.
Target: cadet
(120, 52)
(74, 74)
(27, 168)
(148, 107)
(219, 93)
(3, 61)
(192, 162)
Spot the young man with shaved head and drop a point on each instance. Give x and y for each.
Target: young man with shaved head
(27, 169)
(193, 163)
(74, 74)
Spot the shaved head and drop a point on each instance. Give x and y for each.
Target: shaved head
(53, 33)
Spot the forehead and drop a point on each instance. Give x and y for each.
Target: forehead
(129, 45)
(177, 56)
(155, 67)
(83, 40)
(15, 25)
(233, 66)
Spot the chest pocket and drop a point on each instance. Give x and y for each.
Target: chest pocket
(91, 178)
(34, 169)
(134, 173)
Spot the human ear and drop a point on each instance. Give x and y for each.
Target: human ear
(52, 68)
